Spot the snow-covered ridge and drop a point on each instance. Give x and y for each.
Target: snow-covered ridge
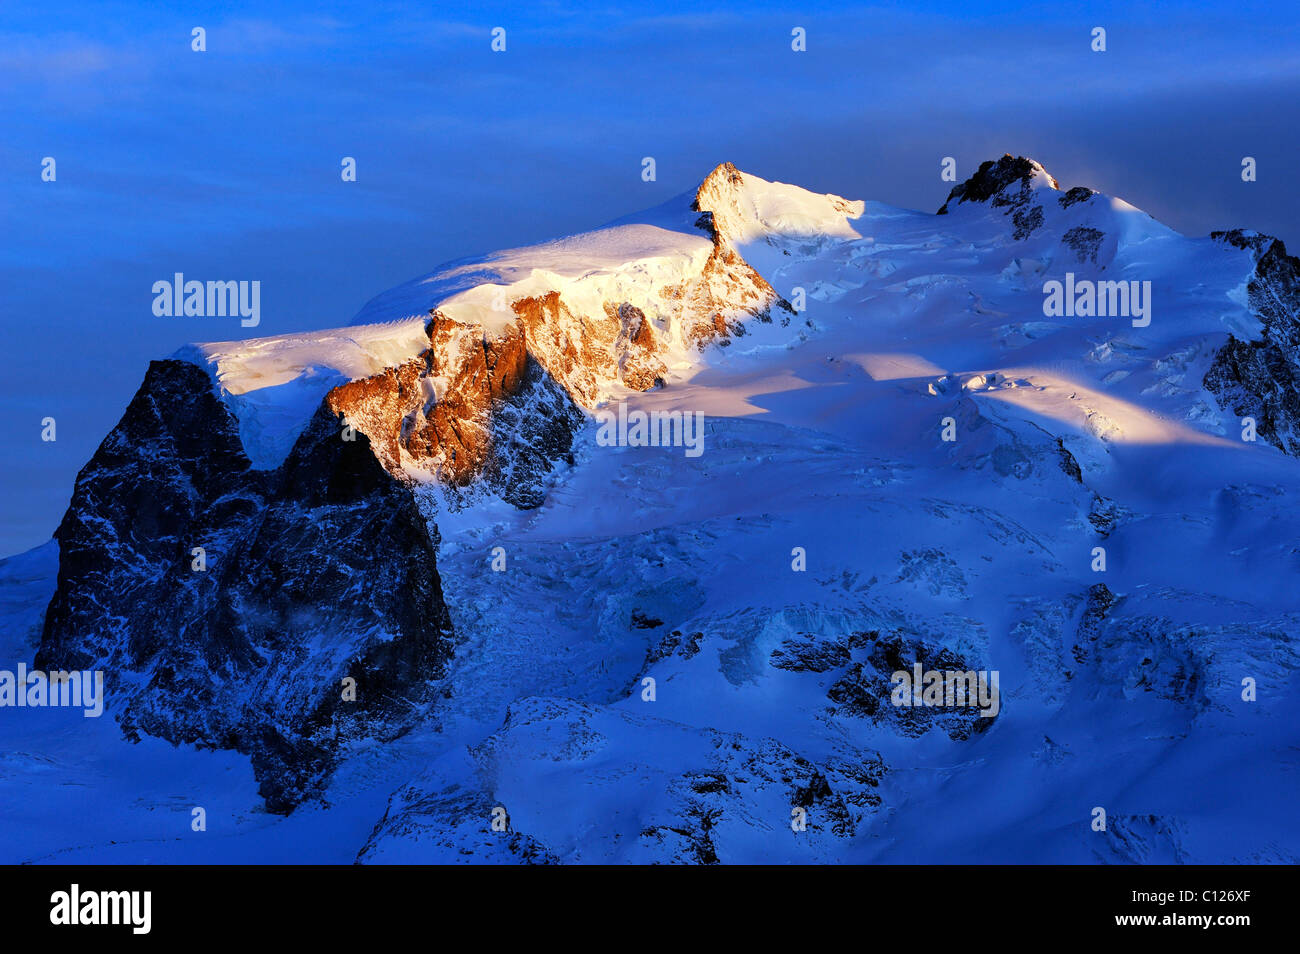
(650, 298)
(629, 260)
(252, 364)
(608, 310)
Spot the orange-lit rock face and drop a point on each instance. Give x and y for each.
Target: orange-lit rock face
(640, 365)
(586, 352)
(577, 350)
(433, 413)
(728, 290)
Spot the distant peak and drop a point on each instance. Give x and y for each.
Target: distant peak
(993, 178)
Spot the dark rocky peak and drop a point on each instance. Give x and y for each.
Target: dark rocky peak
(1269, 252)
(1000, 182)
(227, 606)
(1260, 378)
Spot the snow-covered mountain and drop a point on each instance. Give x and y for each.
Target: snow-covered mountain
(914, 452)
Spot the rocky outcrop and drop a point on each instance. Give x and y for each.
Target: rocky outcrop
(641, 368)
(860, 666)
(1076, 195)
(684, 795)
(728, 289)
(1006, 183)
(865, 690)
(434, 412)
(1260, 378)
(227, 606)
(471, 407)
(1085, 242)
(992, 181)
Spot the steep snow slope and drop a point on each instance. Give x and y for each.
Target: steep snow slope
(1120, 689)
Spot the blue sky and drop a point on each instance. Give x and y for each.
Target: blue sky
(225, 164)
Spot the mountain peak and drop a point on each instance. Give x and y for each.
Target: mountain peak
(740, 209)
(720, 189)
(994, 176)
(724, 179)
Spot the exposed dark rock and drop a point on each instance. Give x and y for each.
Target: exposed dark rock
(674, 644)
(1099, 604)
(1076, 195)
(1260, 378)
(812, 652)
(995, 181)
(532, 432)
(865, 690)
(1026, 220)
(1068, 462)
(991, 182)
(1085, 242)
(1104, 514)
(320, 570)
